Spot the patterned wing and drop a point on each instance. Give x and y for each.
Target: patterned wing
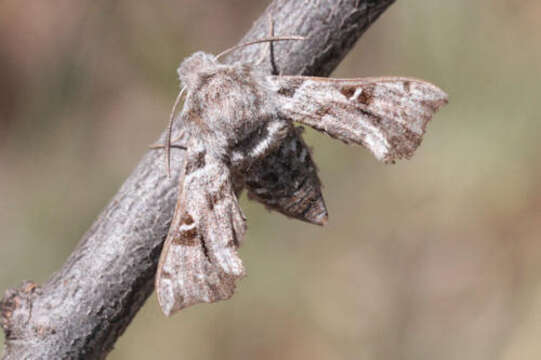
(199, 261)
(386, 115)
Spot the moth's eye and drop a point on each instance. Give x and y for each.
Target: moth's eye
(195, 64)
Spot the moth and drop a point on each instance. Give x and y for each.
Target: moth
(238, 127)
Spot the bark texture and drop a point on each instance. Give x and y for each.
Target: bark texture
(83, 308)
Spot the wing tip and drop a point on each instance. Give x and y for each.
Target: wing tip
(217, 287)
(168, 307)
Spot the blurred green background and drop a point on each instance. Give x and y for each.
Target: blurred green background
(438, 257)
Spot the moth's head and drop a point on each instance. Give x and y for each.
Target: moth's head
(191, 67)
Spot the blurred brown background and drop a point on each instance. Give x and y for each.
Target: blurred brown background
(434, 258)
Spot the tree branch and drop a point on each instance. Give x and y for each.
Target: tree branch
(82, 310)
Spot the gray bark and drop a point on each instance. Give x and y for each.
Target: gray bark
(81, 311)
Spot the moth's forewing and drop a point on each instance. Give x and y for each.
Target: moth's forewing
(388, 116)
(199, 262)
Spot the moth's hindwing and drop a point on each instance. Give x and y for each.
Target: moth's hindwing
(286, 180)
(199, 261)
(386, 115)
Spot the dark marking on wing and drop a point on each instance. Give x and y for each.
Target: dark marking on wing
(186, 219)
(366, 96)
(348, 91)
(289, 91)
(322, 111)
(165, 274)
(205, 250)
(186, 234)
(407, 86)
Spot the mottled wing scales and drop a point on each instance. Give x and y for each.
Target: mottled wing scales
(286, 181)
(199, 261)
(386, 115)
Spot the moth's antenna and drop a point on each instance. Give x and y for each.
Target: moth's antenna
(270, 39)
(169, 131)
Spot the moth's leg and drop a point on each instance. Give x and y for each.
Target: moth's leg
(274, 70)
(162, 146)
(173, 145)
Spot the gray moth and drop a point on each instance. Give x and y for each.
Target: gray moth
(238, 128)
